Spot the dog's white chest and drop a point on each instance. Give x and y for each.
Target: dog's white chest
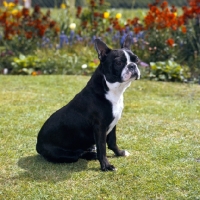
(115, 96)
(117, 108)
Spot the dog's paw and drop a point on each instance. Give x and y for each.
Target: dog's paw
(108, 168)
(126, 153)
(123, 153)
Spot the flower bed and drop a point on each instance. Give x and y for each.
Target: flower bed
(162, 35)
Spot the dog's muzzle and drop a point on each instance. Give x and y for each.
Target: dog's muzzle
(132, 67)
(130, 71)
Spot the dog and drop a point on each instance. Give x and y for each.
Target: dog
(89, 119)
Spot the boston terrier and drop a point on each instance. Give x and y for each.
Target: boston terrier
(89, 119)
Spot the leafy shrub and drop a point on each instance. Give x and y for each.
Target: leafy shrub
(62, 61)
(68, 61)
(6, 58)
(189, 51)
(26, 64)
(168, 71)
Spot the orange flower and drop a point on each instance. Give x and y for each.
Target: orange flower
(52, 24)
(41, 30)
(164, 5)
(34, 73)
(183, 29)
(135, 21)
(92, 3)
(29, 35)
(96, 14)
(18, 15)
(57, 29)
(170, 42)
(78, 12)
(25, 12)
(153, 9)
(101, 2)
(137, 30)
(37, 9)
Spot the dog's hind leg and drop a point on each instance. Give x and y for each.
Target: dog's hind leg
(59, 155)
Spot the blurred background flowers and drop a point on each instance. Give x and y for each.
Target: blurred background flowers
(160, 33)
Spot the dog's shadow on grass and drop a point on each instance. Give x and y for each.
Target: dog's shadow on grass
(37, 168)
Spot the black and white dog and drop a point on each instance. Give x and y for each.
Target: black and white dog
(90, 118)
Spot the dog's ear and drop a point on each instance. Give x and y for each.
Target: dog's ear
(101, 48)
(127, 42)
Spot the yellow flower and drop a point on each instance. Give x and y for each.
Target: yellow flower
(11, 5)
(5, 4)
(175, 14)
(118, 15)
(14, 12)
(63, 6)
(106, 15)
(8, 5)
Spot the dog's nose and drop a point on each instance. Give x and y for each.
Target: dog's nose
(132, 66)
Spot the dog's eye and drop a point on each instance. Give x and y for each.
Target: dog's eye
(119, 63)
(137, 60)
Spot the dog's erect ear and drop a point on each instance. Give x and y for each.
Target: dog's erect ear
(127, 42)
(101, 49)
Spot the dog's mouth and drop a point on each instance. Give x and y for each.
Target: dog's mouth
(136, 76)
(130, 72)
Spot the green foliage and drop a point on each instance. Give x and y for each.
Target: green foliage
(21, 45)
(168, 71)
(26, 64)
(158, 49)
(5, 61)
(189, 51)
(56, 62)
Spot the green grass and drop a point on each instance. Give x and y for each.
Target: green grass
(160, 127)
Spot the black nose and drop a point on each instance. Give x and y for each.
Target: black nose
(132, 66)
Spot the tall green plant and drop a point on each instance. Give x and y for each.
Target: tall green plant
(189, 51)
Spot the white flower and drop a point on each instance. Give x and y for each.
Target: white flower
(84, 66)
(72, 26)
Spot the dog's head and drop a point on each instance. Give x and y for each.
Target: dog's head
(118, 65)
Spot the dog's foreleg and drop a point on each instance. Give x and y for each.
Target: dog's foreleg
(100, 139)
(112, 144)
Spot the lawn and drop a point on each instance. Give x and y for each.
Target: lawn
(160, 127)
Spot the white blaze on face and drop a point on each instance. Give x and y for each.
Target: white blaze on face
(127, 57)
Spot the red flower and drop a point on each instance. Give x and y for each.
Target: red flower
(37, 9)
(170, 42)
(101, 2)
(29, 34)
(164, 5)
(96, 14)
(78, 12)
(183, 29)
(92, 3)
(137, 30)
(52, 24)
(25, 12)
